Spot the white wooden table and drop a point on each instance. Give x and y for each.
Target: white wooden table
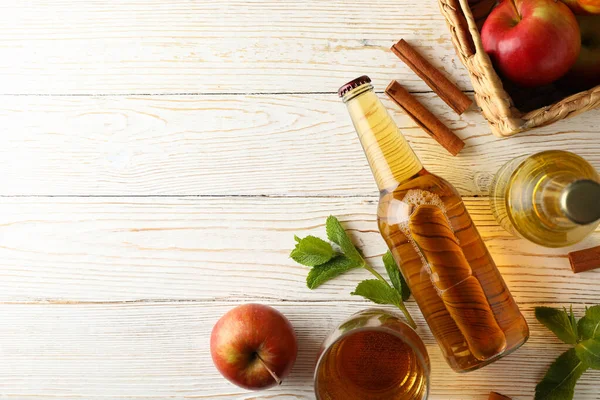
(159, 155)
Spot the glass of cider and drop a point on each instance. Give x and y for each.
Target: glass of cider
(372, 355)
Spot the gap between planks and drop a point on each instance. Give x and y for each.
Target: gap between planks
(239, 300)
(199, 196)
(194, 94)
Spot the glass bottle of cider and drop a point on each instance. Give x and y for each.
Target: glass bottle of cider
(551, 198)
(446, 264)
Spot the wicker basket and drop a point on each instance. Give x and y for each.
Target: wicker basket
(505, 118)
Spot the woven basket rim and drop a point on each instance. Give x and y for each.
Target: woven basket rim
(496, 104)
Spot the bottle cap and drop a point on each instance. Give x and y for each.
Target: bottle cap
(361, 80)
(580, 201)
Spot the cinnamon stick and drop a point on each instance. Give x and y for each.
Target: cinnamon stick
(496, 396)
(585, 260)
(447, 91)
(424, 118)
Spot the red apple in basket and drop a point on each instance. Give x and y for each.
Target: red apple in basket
(591, 6)
(532, 42)
(575, 7)
(585, 74)
(254, 346)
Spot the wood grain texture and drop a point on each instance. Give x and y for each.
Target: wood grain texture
(221, 46)
(231, 101)
(120, 249)
(161, 350)
(285, 145)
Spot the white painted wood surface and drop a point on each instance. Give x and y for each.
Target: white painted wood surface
(159, 350)
(157, 158)
(223, 46)
(221, 248)
(284, 145)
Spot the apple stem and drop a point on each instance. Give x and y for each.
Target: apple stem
(273, 374)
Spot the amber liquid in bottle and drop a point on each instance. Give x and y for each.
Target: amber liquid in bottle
(424, 222)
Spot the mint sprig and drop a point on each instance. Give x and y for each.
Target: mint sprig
(561, 323)
(320, 274)
(560, 380)
(588, 352)
(395, 276)
(312, 251)
(589, 326)
(378, 292)
(326, 263)
(337, 234)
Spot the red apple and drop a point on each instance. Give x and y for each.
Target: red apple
(575, 7)
(591, 6)
(585, 74)
(532, 42)
(254, 346)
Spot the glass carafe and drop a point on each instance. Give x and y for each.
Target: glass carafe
(551, 198)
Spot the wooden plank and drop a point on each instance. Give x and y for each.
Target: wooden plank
(286, 145)
(183, 46)
(161, 350)
(125, 249)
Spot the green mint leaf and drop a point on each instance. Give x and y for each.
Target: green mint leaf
(588, 351)
(573, 321)
(589, 326)
(312, 251)
(561, 378)
(337, 234)
(559, 322)
(297, 239)
(378, 292)
(395, 276)
(331, 269)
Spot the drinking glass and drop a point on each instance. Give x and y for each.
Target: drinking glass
(372, 355)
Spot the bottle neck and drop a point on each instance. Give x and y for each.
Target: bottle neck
(391, 159)
(567, 201)
(546, 200)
